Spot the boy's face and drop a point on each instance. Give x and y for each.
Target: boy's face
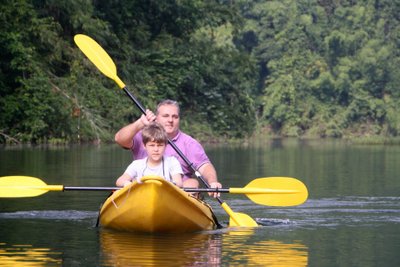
(155, 150)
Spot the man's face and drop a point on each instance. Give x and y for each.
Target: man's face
(155, 150)
(168, 117)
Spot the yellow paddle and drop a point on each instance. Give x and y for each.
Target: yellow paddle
(105, 64)
(270, 191)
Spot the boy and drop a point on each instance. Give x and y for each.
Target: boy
(155, 141)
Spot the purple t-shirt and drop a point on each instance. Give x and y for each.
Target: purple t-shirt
(190, 147)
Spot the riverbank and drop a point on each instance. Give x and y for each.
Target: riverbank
(212, 140)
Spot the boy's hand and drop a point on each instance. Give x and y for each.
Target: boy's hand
(127, 183)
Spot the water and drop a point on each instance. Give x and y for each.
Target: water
(351, 218)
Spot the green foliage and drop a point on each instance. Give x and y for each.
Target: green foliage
(299, 68)
(50, 92)
(228, 107)
(328, 68)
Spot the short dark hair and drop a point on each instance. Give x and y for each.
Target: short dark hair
(154, 132)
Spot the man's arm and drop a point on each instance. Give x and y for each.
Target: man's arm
(209, 173)
(124, 137)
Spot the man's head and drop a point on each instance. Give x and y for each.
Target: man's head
(168, 116)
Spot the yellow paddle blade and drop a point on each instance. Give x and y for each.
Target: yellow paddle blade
(98, 56)
(237, 218)
(24, 186)
(275, 191)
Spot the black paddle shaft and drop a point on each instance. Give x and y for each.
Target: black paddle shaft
(86, 188)
(186, 189)
(198, 175)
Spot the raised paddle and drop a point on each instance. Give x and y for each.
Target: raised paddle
(99, 57)
(270, 191)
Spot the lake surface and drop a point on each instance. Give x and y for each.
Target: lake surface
(351, 218)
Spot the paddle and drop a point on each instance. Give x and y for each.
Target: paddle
(99, 57)
(272, 191)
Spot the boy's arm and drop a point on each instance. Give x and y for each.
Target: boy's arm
(123, 180)
(177, 179)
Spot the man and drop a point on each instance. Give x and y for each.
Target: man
(168, 115)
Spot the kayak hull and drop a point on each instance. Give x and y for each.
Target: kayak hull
(153, 206)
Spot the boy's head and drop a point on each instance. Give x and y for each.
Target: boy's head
(154, 132)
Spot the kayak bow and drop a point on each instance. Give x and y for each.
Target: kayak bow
(155, 205)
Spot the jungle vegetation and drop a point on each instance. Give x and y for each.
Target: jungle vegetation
(305, 68)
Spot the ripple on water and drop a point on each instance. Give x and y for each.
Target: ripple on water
(325, 212)
(50, 215)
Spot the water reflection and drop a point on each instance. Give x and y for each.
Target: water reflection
(257, 251)
(234, 248)
(27, 255)
(128, 249)
(274, 253)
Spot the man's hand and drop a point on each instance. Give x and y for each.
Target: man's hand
(215, 185)
(124, 137)
(149, 117)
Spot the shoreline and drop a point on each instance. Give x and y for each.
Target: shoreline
(216, 141)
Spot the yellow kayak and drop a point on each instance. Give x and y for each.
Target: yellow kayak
(153, 206)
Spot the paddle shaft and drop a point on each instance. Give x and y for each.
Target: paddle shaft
(189, 190)
(89, 188)
(175, 147)
(246, 191)
(113, 188)
(86, 188)
(232, 190)
(143, 110)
